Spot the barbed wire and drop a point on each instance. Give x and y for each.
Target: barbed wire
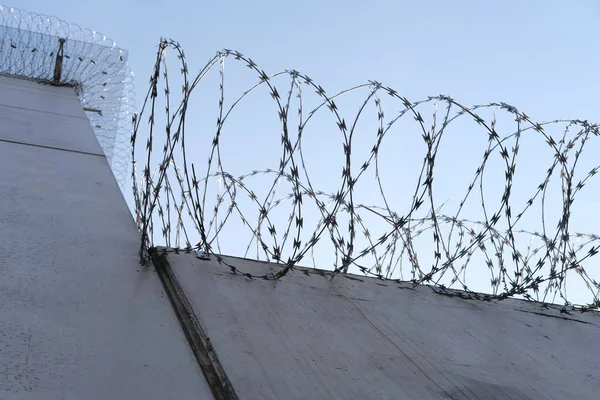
(174, 207)
(30, 44)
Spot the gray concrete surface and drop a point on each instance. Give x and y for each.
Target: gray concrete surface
(64, 127)
(307, 337)
(79, 318)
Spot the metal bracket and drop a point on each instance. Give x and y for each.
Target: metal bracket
(93, 110)
(59, 60)
(201, 254)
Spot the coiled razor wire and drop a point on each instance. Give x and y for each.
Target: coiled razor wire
(187, 202)
(30, 44)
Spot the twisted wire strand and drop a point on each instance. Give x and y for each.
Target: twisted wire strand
(174, 208)
(91, 62)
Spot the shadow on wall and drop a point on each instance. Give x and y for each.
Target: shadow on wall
(480, 390)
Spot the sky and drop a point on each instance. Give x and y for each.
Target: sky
(540, 56)
(537, 55)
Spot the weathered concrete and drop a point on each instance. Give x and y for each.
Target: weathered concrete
(79, 317)
(307, 337)
(56, 109)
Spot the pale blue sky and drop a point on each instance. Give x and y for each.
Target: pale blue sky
(540, 56)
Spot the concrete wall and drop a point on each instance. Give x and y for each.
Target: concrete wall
(307, 337)
(79, 317)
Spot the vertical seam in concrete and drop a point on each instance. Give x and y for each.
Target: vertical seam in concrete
(199, 341)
